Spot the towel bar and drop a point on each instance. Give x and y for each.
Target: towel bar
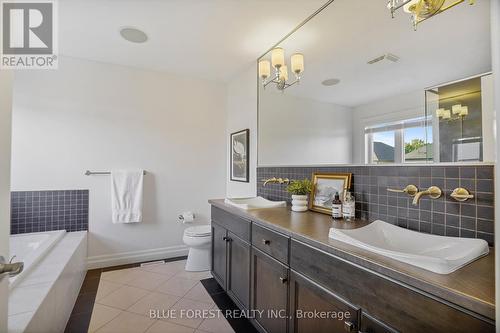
(90, 173)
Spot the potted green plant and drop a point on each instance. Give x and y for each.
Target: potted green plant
(299, 190)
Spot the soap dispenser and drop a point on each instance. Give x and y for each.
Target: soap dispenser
(337, 207)
(348, 207)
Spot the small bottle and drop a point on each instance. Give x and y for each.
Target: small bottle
(337, 207)
(348, 207)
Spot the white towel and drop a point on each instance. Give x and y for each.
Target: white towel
(126, 196)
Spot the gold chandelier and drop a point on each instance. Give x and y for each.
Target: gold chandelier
(421, 10)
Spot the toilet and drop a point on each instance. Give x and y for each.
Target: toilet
(198, 239)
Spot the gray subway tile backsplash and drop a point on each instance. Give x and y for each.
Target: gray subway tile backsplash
(37, 211)
(472, 219)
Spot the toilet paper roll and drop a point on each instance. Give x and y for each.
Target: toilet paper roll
(186, 217)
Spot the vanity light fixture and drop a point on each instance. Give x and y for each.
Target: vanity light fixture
(457, 112)
(280, 77)
(421, 10)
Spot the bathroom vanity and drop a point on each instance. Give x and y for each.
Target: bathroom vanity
(283, 263)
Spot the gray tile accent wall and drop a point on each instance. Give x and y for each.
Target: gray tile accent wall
(473, 218)
(35, 211)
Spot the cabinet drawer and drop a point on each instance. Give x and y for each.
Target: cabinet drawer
(403, 308)
(237, 225)
(270, 242)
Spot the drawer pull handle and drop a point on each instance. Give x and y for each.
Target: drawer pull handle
(283, 280)
(266, 241)
(349, 326)
(227, 239)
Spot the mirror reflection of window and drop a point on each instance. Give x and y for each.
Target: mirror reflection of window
(399, 142)
(383, 147)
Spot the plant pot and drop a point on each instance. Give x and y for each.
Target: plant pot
(299, 203)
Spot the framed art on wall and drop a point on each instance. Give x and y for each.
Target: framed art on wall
(240, 164)
(325, 185)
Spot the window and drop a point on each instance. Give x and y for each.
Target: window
(383, 147)
(406, 141)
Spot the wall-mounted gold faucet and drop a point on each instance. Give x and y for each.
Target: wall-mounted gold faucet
(411, 190)
(434, 192)
(461, 194)
(275, 180)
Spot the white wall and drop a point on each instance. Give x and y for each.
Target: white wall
(299, 131)
(5, 144)
(242, 114)
(404, 106)
(89, 115)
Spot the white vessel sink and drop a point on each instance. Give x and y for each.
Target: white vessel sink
(439, 254)
(254, 203)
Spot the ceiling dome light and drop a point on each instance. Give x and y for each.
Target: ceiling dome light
(133, 35)
(330, 82)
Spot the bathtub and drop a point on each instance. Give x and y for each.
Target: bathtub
(42, 297)
(30, 249)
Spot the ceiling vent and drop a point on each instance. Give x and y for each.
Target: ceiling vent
(389, 56)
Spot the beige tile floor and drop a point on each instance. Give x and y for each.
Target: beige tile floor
(125, 298)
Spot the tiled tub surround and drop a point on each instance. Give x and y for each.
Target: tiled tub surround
(473, 218)
(35, 211)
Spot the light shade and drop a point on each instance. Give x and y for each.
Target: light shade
(455, 109)
(284, 73)
(464, 110)
(264, 69)
(446, 114)
(297, 61)
(440, 112)
(277, 57)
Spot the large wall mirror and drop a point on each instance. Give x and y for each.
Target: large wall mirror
(374, 90)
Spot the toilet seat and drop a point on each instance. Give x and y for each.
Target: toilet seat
(198, 231)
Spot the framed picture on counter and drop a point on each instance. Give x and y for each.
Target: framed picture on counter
(325, 185)
(240, 164)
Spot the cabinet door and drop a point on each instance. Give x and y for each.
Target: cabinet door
(316, 309)
(269, 292)
(238, 279)
(219, 254)
(372, 325)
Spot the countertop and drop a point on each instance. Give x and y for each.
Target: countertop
(472, 287)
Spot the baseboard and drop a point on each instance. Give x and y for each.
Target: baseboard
(124, 258)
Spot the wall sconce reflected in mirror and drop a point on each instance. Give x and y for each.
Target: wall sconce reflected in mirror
(457, 112)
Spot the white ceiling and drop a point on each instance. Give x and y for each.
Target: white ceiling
(339, 41)
(210, 39)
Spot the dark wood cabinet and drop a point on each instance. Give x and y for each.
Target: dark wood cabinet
(269, 292)
(316, 309)
(238, 277)
(406, 309)
(231, 263)
(372, 325)
(219, 254)
(298, 288)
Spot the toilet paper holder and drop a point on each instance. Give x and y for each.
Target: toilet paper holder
(186, 217)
